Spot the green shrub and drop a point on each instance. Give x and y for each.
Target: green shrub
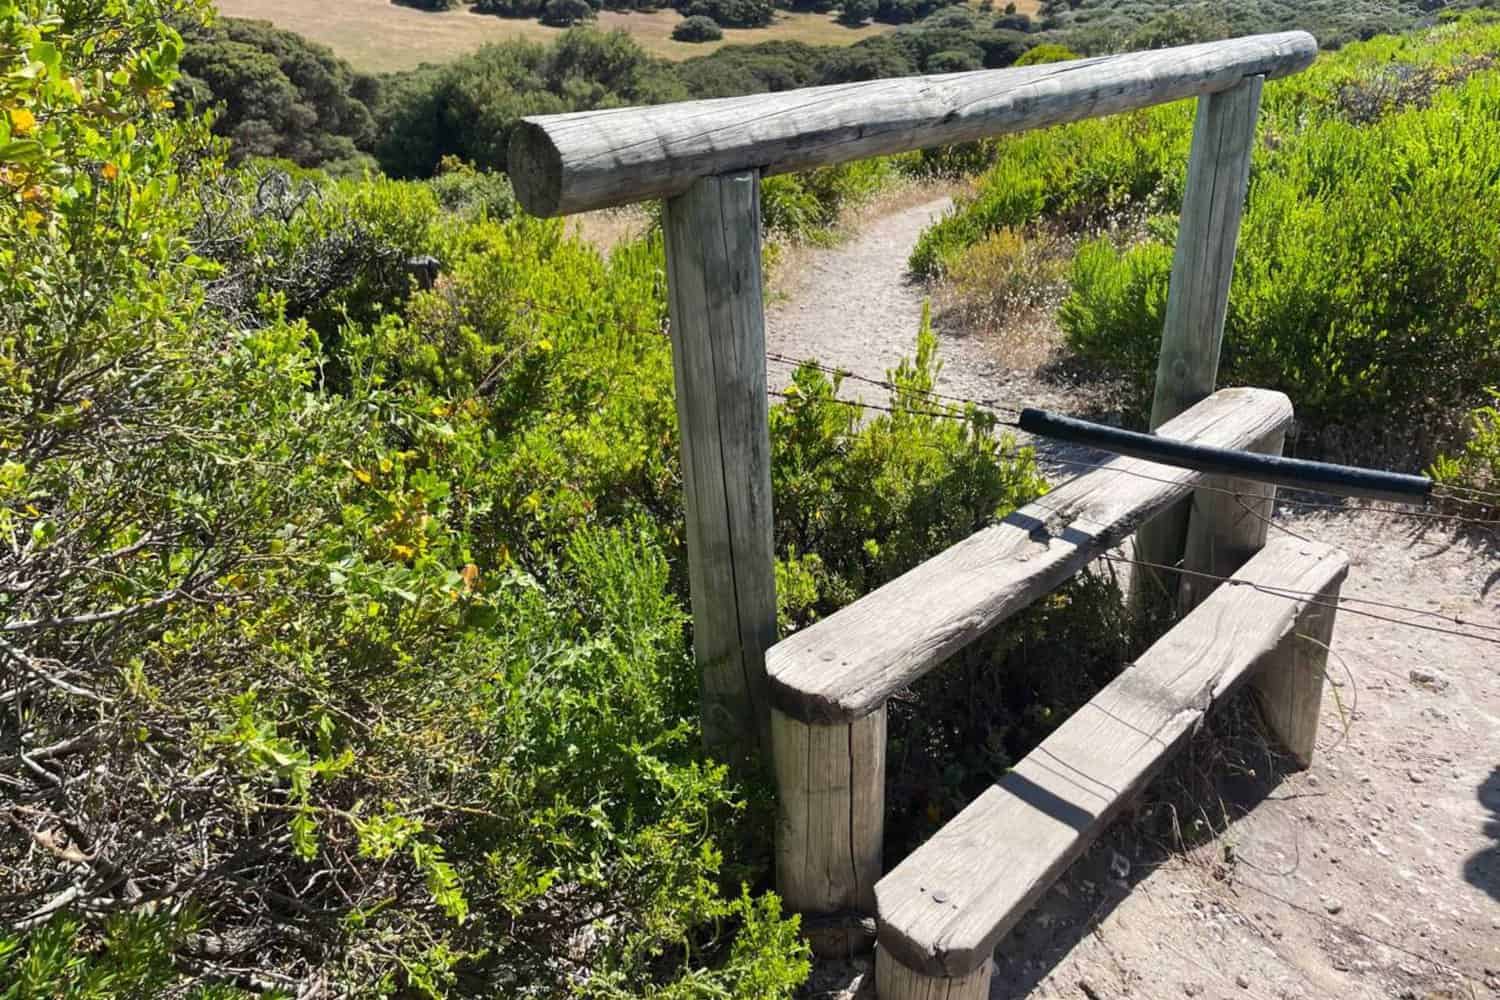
(1006, 274)
(1477, 466)
(1362, 282)
(697, 29)
(729, 13)
(566, 13)
(275, 94)
(803, 206)
(467, 107)
(1047, 52)
(1116, 306)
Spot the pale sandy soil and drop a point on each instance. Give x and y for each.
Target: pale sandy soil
(1376, 874)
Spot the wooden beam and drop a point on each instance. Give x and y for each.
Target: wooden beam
(1198, 298)
(719, 359)
(561, 164)
(830, 796)
(847, 665)
(942, 910)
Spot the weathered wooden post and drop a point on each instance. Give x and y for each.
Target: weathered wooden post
(830, 831)
(719, 360)
(1227, 525)
(1289, 684)
(1197, 302)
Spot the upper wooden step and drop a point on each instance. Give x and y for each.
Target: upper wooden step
(944, 908)
(847, 665)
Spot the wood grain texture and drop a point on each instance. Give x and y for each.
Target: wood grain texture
(830, 794)
(943, 909)
(719, 361)
(1227, 525)
(894, 981)
(847, 665)
(1289, 684)
(561, 164)
(1187, 365)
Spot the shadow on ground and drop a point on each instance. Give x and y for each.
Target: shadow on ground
(1483, 869)
(1228, 769)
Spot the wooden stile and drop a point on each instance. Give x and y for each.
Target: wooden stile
(830, 683)
(719, 360)
(1198, 298)
(942, 910)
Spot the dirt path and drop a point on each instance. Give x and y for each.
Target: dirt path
(1375, 874)
(856, 307)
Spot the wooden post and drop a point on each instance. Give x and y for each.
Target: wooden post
(719, 358)
(894, 981)
(830, 783)
(1289, 684)
(1228, 525)
(1198, 299)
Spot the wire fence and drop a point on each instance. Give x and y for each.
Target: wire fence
(950, 406)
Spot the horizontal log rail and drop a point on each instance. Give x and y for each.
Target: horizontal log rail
(562, 164)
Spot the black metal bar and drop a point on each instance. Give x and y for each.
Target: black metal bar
(1343, 480)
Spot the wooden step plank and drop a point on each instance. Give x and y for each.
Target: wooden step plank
(942, 910)
(847, 665)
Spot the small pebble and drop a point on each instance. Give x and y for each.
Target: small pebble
(1416, 779)
(1333, 905)
(1242, 981)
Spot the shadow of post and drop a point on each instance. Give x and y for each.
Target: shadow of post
(1483, 869)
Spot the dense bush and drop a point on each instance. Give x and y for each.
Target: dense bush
(467, 107)
(1047, 52)
(566, 13)
(1477, 466)
(729, 13)
(276, 94)
(1095, 26)
(856, 12)
(697, 29)
(751, 69)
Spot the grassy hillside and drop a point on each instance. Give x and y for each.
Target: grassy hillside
(380, 36)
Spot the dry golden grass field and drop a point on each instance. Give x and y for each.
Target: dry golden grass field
(379, 36)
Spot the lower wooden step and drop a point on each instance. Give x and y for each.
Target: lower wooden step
(941, 912)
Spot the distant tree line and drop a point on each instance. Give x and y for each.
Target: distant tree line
(277, 95)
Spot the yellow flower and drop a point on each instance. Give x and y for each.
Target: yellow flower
(109, 171)
(21, 121)
(362, 476)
